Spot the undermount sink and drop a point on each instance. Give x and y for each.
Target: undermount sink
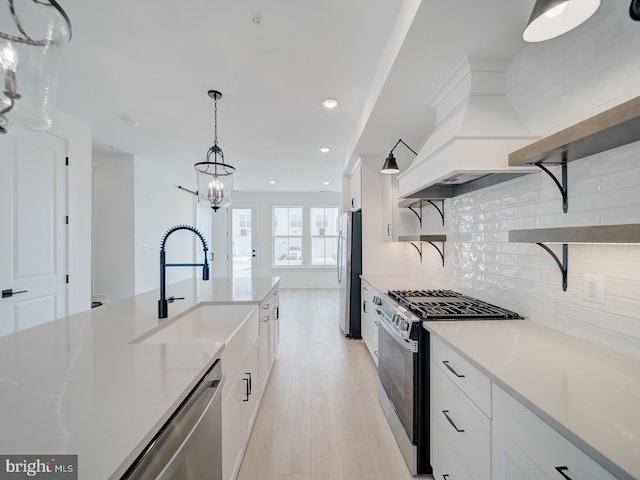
(205, 324)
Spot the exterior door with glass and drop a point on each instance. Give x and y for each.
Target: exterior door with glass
(242, 260)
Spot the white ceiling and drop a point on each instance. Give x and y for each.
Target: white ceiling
(154, 62)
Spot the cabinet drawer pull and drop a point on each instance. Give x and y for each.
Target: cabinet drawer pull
(561, 472)
(266, 306)
(364, 306)
(459, 430)
(375, 352)
(450, 368)
(266, 318)
(445, 476)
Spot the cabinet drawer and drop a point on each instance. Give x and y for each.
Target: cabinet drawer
(237, 348)
(463, 425)
(446, 465)
(551, 452)
(468, 378)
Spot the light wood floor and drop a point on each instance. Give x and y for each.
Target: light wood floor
(320, 418)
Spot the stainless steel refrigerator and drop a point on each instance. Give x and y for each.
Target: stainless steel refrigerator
(349, 270)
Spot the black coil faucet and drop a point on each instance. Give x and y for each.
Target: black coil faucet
(163, 303)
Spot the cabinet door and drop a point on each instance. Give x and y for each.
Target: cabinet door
(264, 364)
(355, 190)
(232, 433)
(250, 392)
(445, 463)
(388, 207)
(508, 462)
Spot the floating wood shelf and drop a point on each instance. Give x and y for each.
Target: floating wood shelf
(612, 128)
(425, 238)
(596, 234)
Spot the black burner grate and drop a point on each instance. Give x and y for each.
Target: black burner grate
(456, 306)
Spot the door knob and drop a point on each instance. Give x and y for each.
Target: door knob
(10, 293)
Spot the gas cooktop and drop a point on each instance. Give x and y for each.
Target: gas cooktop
(448, 305)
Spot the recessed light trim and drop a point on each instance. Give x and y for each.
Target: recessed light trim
(272, 182)
(324, 149)
(330, 103)
(326, 183)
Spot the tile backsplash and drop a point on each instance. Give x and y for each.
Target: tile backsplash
(553, 85)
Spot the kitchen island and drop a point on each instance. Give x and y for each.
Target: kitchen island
(79, 385)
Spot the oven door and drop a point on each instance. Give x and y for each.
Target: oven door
(396, 369)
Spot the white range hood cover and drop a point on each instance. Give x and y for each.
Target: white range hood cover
(476, 129)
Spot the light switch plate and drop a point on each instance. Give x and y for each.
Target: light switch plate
(593, 288)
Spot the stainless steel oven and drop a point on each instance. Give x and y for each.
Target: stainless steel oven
(401, 368)
(403, 360)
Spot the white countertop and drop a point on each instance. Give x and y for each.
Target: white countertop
(590, 394)
(78, 386)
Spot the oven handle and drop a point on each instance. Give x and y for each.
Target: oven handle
(407, 344)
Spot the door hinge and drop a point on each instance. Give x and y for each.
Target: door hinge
(66, 161)
(66, 279)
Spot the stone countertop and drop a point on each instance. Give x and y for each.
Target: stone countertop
(589, 394)
(79, 386)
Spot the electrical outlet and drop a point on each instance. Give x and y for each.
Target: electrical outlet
(593, 288)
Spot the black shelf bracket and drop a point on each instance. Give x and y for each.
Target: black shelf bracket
(564, 265)
(419, 250)
(563, 187)
(419, 214)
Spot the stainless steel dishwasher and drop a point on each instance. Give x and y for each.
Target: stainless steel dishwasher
(189, 445)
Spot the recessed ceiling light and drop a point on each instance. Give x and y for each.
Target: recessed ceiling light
(256, 19)
(326, 183)
(272, 182)
(330, 103)
(129, 122)
(324, 149)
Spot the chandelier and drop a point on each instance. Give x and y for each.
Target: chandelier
(215, 178)
(32, 36)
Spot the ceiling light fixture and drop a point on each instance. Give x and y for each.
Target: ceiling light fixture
(272, 182)
(326, 183)
(552, 18)
(324, 149)
(215, 179)
(29, 52)
(634, 10)
(390, 165)
(330, 103)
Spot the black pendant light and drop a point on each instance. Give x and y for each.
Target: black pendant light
(634, 10)
(390, 166)
(215, 178)
(32, 35)
(552, 18)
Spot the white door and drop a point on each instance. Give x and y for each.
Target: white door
(242, 241)
(33, 231)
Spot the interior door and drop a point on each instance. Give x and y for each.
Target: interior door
(242, 241)
(33, 231)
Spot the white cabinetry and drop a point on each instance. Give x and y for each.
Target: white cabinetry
(269, 336)
(369, 320)
(355, 189)
(457, 417)
(526, 447)
(395, 221)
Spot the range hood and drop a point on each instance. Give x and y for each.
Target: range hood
(476, 129)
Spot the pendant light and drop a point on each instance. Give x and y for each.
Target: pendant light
(552, 18)
(215, 178)
(390, 166)
(32, 35)
(634, 10)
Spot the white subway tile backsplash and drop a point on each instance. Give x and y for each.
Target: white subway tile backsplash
(553, 85)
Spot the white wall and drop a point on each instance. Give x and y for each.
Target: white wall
(159, 205)
(553, 85)
(113, 227)
(292, 277)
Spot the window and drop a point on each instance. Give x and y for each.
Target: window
(295, 244)
(287, 236)
(324, 235)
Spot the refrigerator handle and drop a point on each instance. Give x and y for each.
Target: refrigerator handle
(339, 257)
